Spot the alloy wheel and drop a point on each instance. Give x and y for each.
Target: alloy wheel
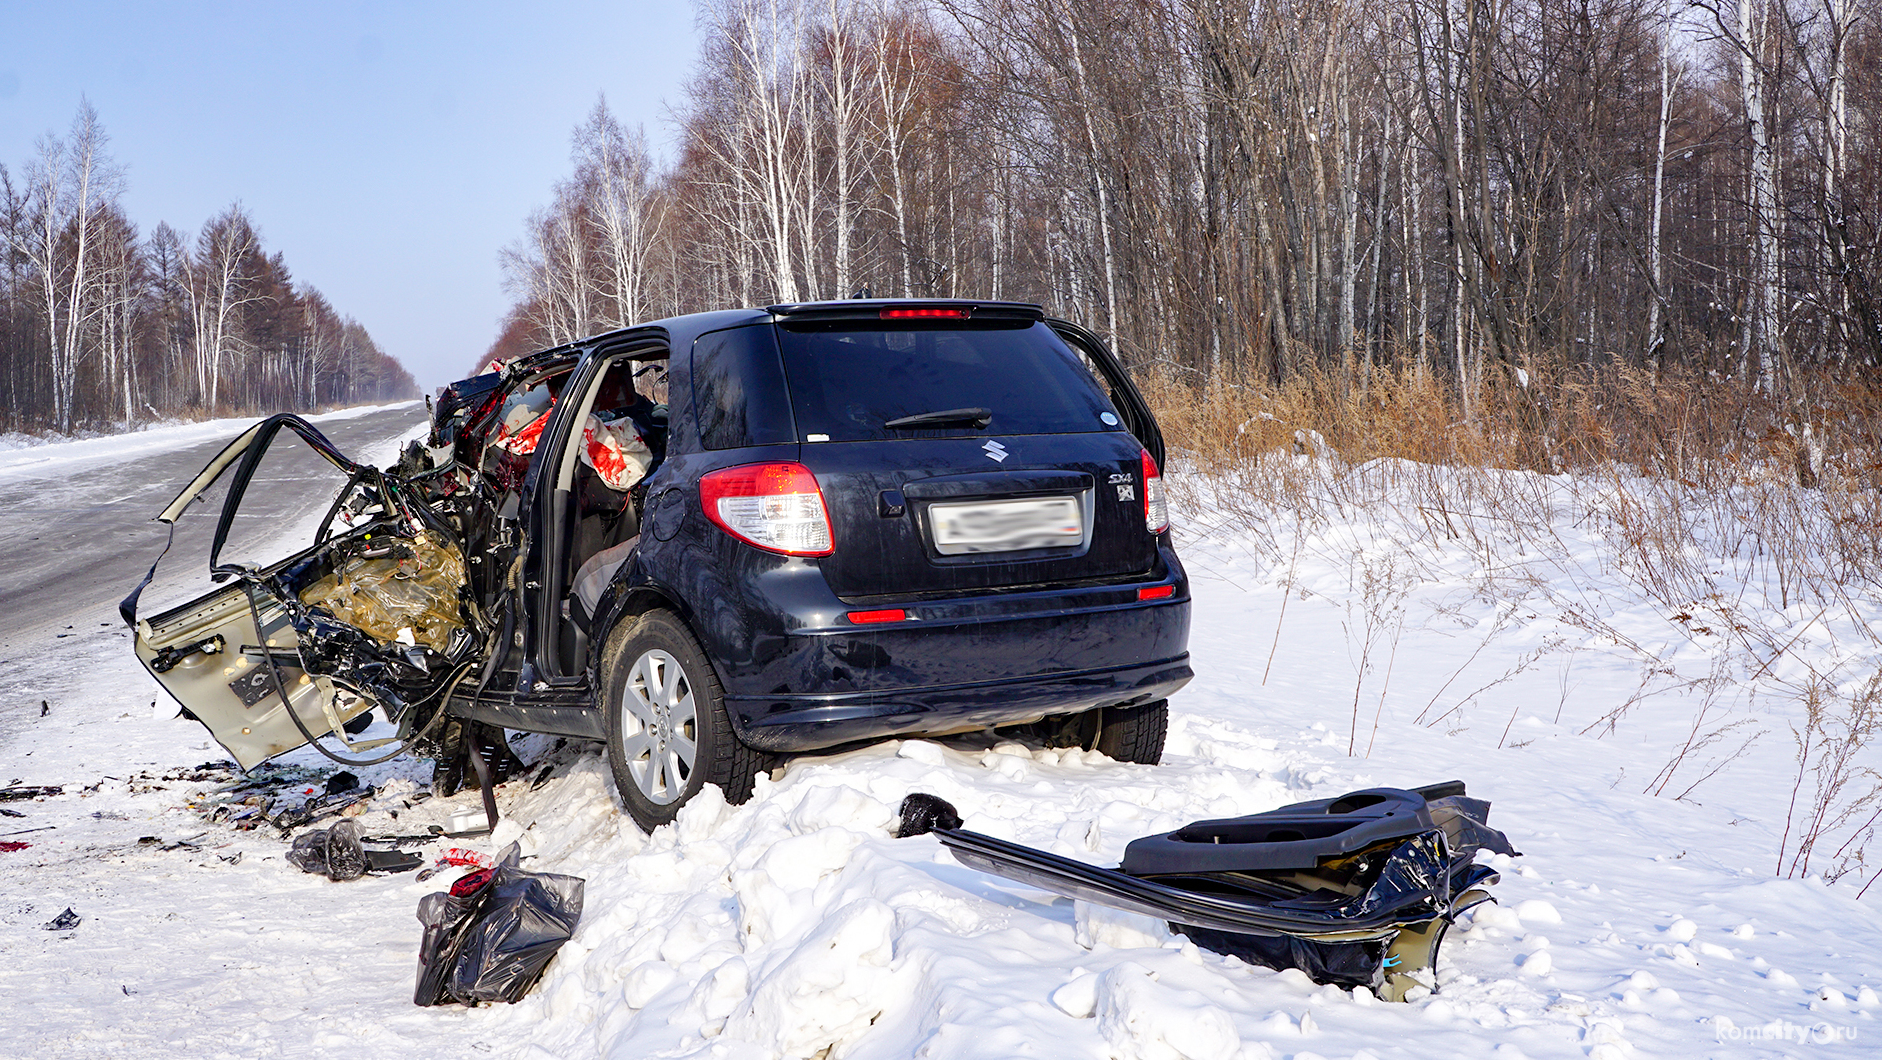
(659, 726)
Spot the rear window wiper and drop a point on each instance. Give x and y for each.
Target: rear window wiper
(975, 417)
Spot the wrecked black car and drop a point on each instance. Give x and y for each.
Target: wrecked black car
(714, 540)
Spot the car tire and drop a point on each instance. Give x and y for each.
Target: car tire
(667, 731)
(1135, 734)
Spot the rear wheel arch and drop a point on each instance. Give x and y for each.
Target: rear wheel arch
(626, 606)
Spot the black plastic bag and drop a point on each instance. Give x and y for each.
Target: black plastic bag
(335, 853)
(490, 936)
(340, 854)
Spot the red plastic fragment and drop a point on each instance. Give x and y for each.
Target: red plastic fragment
(471, 884)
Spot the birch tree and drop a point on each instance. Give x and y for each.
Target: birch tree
(1656, 302)
(612, 183)
(218, 291)
(1749, 37)
(68, 182)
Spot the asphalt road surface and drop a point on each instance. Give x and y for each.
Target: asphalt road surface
(72, 544)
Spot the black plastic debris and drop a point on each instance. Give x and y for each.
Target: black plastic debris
(316, 807)
(19, 792)
(391, 861)
(340, 782)
(340, 853)
(1354, 891)
(923, 813)
(490, 936)
(65, 921)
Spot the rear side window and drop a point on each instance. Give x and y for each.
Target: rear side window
(738, 389)
(847, 380)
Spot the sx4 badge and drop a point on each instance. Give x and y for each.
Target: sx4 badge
(1126, 486)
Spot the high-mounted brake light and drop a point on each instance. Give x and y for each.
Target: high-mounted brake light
(916, 312)
(777, 507)
(1156, 506)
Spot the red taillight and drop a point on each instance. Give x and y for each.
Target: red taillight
(777, 507)
(892, 614)
(920, 312)
(1156, 592)
(1156, 507)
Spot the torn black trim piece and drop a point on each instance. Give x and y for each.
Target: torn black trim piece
(1418, 860)
(127, 608)
(1355, 891)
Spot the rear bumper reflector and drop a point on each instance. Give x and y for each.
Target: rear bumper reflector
(893, 614)
(1155, 592)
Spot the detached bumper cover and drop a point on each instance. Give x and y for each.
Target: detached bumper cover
(1355, 891)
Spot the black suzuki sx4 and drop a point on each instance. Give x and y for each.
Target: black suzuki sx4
(716, 541)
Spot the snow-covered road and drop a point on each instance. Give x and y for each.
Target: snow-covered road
(795, 926)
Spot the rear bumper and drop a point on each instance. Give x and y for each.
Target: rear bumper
(799, 674)
(813, 722)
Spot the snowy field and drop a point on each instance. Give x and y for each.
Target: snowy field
(1643, 760)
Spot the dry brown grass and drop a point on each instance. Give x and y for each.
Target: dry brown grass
(1682, 426)
(1748, 521)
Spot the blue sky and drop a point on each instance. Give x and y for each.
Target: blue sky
(388, 149)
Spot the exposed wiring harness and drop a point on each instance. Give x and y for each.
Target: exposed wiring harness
(405, 746)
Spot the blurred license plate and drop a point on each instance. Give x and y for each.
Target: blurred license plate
(1007, 526)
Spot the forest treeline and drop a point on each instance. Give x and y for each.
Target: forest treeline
(1507, 197)
(104, 327)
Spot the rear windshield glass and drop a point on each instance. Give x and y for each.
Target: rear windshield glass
(847, 382)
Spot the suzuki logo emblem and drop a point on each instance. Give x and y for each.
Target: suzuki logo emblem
(995, 451)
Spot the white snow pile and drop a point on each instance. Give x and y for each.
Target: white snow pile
(1664, 904)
